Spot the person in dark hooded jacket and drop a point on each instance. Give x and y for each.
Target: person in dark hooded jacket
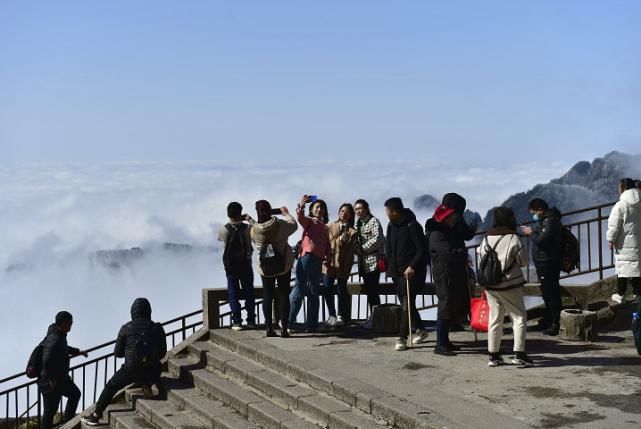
(447, 233)
(547, 249)
(143, 344)
(54, 381)
(405, 248)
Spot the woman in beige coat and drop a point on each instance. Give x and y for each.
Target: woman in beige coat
(343, 239)
(275, 261)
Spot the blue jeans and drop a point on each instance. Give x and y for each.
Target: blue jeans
(234, 285)
(308, 278)
(343, 297)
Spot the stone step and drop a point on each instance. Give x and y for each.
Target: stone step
(251, 345)
(168, 415)
(119, 408)
(132, 420)
(282, 391)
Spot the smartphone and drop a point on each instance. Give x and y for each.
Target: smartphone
(276, 212)
(313, 198)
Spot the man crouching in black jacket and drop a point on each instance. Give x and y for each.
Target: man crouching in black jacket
(405, 248)
(143, 345)
(54, 381)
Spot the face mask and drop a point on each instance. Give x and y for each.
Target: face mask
(535, 216)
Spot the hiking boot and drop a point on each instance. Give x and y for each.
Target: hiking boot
(237, 327)
(251, 325)
(270, 333)
(332, 321)
(521, 360)
(617, 298)
(443, 351)
(339, 321)
(419, 337)
(92, 419)
(401, 344)
(495, 360)
(552, 331)
(284, 333)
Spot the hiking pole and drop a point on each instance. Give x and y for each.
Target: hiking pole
(409, 312)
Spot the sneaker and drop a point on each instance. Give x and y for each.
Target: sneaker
(617, 298)
(552, 331)
(522, 361)
(339, 321)
(332, 322)
(443, 351)
(401, 344)
(284, 333)
(419, 337)
(236, 327)
(495, 361)
(451, 347)
(92, 419)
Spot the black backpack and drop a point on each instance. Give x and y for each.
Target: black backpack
(34, 365)
(272, 262)
(490, 272)
(570, 251)
(236, 249)
(145, 348)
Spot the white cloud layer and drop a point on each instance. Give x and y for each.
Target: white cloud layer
(52, 217)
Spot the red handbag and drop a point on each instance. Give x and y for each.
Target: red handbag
(479, 313)
(381, 264)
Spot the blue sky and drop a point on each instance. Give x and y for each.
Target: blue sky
(479, 82)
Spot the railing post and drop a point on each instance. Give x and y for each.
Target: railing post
(211, 309)
(600, 241)
(183, 324)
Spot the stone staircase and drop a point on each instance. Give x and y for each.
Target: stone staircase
(238, 380)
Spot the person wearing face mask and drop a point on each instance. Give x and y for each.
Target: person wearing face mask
(624, 236)
(547, 239)
(314, 249)
(343, 239)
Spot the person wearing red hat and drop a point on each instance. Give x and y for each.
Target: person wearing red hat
(448, 257)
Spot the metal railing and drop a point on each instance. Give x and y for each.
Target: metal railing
(22, 404)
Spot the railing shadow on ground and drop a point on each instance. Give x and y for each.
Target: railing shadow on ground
(21, 402)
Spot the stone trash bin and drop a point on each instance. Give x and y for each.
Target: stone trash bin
(578, 325)
(386, 318)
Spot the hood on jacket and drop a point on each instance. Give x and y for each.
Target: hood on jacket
(455, 201)
(265, 227)
(406, 217)
(54, 329)
(141, 309)
(632, 197)
(433, 225)
(553, 212)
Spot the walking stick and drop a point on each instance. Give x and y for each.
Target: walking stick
(409, 311)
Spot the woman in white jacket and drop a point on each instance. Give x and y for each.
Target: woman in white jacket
(624, 237)
(507, 296)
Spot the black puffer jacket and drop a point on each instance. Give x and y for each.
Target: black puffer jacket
(548, 241)
(56, 355)
(449, 270)
(405, 246)
(130, 332)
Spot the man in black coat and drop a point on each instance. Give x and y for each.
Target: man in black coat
(54, 381)
(405, 248)
(143, 344)
(547, 249)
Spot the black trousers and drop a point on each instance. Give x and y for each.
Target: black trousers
(51, 400)
(401, 292)
(371, 283)
(623, 282)
(551, 294)
(269, 294)
(124, 377)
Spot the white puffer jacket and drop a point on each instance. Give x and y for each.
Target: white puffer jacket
(512, 254)
(624, 231)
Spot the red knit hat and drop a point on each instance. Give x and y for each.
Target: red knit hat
(442, 212)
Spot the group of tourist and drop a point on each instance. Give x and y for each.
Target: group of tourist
(324, 258)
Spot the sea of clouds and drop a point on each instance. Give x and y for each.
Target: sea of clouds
(54, 218)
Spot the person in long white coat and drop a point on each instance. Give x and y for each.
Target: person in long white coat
(624, 237)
